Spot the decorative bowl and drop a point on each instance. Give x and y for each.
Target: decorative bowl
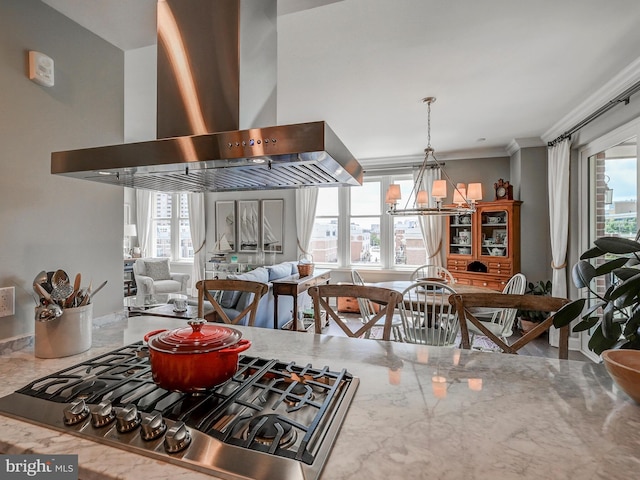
(464, 250)
(624, 368)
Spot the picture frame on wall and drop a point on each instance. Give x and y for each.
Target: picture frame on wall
(248, 225)
(273, 225)
(225, 227)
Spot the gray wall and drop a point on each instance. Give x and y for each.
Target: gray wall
(534, 231)
(55, 222)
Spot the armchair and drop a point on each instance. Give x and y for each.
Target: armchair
(152, 276)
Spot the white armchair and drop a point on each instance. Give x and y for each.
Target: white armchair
(152, 276)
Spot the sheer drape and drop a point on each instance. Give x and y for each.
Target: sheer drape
(558, 179)
(197, 227)
(431, 225)
(306, 201)
(144, 200)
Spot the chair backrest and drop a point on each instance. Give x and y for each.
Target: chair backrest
(507, 316)
(427, 316)
(210, 290)
(322, 296)
(367, 310)
(464, 302)
(431, 272)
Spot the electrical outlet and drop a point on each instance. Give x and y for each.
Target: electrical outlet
(7, 301)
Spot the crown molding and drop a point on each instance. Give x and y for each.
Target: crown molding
(618, 84)
(520, 143)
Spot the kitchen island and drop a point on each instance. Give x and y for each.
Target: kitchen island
(419, 412)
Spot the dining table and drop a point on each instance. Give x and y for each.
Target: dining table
(402, 285)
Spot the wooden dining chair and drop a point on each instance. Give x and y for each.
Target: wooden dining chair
(432, 272)
(427, 316)
(214, 291)
(324, 296)
(501, 321)
(368, 309)
(463, 303)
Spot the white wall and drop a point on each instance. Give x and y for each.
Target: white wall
(49, 222)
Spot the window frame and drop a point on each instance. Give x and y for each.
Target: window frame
(387, 253)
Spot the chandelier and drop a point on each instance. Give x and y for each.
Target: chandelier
(464, 199)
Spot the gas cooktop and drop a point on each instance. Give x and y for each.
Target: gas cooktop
(272, 419)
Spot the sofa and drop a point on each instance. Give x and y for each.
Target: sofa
(152, 276)
(234, 302)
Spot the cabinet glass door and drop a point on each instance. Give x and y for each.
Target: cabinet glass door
(494, 229)
(460, 235)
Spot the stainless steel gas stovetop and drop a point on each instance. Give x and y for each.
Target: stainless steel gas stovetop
(273, 419)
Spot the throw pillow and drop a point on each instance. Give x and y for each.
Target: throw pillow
(279, 271)
(158, 270)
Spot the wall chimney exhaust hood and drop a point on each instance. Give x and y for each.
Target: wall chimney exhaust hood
(216, 104)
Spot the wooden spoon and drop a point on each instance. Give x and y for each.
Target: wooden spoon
(76, 289)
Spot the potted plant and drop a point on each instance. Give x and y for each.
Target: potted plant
(615, 315)
(529, 318)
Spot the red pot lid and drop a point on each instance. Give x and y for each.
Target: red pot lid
(199, 337)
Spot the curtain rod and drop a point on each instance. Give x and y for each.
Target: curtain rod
(623, 97)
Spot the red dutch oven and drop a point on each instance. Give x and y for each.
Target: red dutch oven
(194, 358)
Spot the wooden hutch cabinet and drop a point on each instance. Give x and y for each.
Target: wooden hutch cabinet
(483, 248)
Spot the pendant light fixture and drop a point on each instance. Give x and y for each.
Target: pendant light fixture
(463, 198)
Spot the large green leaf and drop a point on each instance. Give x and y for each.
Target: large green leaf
(629, 286)
(582, 273)
(610, 266)
(593, 308)
(626, 273)
(607, 319)
(598, 343)
(568, 313)
(632, 325)
(591, 253)
(617, 245)
(586, 324)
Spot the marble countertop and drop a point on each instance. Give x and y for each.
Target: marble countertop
(419, 411)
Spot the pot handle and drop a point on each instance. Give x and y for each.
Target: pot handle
(148, 335)
(241, 346)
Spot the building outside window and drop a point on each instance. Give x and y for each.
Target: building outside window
(171, 237)
(324, 239)
(374, 238)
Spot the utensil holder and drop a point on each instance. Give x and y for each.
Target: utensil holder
(66, 335)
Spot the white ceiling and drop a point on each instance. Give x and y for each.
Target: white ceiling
(500, 69)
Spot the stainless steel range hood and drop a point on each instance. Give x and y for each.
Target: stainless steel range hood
(216, 104)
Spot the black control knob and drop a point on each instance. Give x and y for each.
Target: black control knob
(102, 414)
(128, 418)
(75, 413)
(177, 438)
(152, 427)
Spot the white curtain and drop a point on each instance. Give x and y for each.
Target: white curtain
(431, 225)
(306, 201)
(197, 228)
(558, 179)
(144, 200)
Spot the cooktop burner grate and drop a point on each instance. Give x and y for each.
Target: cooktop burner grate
(277, 408)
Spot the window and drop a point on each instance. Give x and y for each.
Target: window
(352, 228)
(170, 232)
(324, 239)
